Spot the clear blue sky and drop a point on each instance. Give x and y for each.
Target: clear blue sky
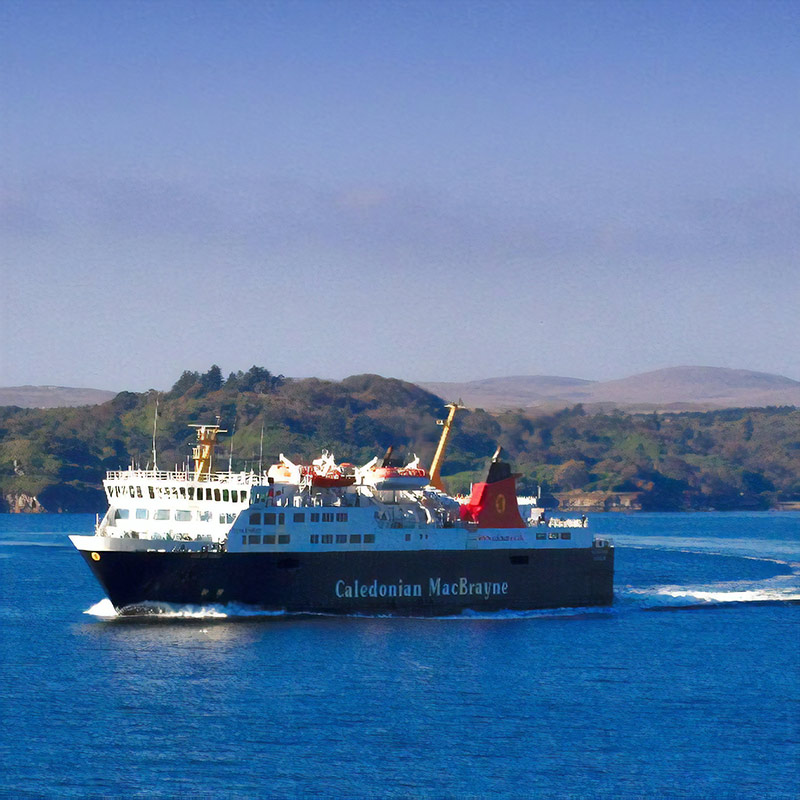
(427, 190)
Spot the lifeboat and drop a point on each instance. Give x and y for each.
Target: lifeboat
(322, 473)
(388, 478)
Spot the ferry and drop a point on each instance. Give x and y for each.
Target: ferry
(336, 539)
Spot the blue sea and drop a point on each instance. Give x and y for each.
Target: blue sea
(686, 688)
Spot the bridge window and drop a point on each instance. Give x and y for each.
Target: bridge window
(224, 495)
(315, 517)
(566, 535)
(553, 535)
(342, 517)
(216, 495)
(269, 518)
(151, 493)
(161, 514)
(183, 516)
(300, 517)
(327, 517)
(141, 513)
(541, 535)
(122, 513)
(281, 519)
(255, 518)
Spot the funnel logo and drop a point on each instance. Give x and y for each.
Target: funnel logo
(500, 504)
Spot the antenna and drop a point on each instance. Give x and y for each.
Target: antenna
(230, 451)
(155, 427)
(261, 449)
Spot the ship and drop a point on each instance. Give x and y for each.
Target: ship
(382, 539)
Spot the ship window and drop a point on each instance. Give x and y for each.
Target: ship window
(327, 538)
(152, 493)
(541, 535)
(199, 492)
(283, 538)
(355, 538)
(224, 495)
(122, 513)
(269, 538)
(315, 517)
(190, 491)
(216, 494)
(205, 516)
(553, 535)
(255, 518)
(300, 517)
(314, 538)
(269, 518)
(369, 538)
(408, 537)
(341, 539)
(183, 516)
(141, 513)
(519, 559)
(281, 519)
(182, 492)
(161, 513)
(327, 517)
(253, 538)
(566, 535)
(138, 491)
(130, 491)
(227, 518)
(244, 540)
(342, 517)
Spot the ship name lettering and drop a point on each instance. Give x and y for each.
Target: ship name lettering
(374, 589)
(463, 586)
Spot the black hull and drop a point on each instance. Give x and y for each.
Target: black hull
(399, 582)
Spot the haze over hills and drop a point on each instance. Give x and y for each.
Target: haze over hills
(673, 388)
(52, 396)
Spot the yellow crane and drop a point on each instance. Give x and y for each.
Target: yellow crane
(203, 452)
(435, 477)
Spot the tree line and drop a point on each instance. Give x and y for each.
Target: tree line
(728, 459)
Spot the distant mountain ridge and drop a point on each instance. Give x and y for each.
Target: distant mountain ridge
(683, 388)
(673, 388)
(52, 396)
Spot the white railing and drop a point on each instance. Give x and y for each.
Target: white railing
(183, 476)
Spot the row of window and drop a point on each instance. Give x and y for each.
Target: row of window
(315, 538)
(179, 515)
(341, 538)
(267, 538)
(553, 535)
(180, 493)
(269, 517)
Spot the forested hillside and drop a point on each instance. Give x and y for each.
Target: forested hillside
(736, 458)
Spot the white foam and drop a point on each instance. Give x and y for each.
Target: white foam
(103, 609)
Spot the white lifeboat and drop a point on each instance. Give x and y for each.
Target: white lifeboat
(409, 478)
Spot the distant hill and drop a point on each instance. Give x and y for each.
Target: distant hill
(674, 388)
(52, 396)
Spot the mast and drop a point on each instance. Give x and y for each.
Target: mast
(435, 477)
(155, 425)
(203, 451)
